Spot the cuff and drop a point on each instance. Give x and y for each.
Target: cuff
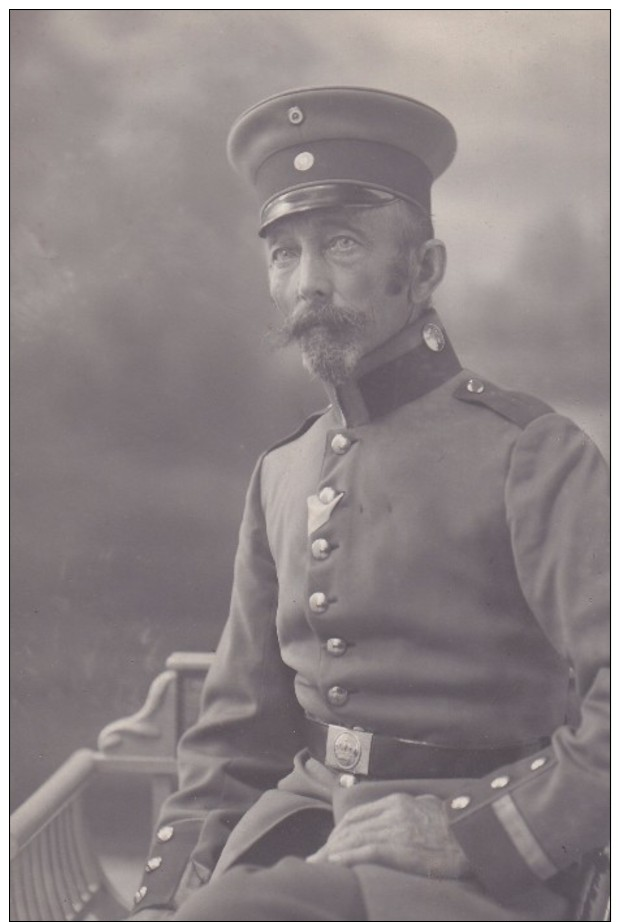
(493, 832)
(168, 858)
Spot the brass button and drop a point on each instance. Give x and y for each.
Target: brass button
(153, 863)
(500, 782)
(327, 495)
(347, 781)
(341, 444)
(336, 646)
(321, 549)
(337, 696)
(538, 763)
(475, 386)
(318, 602)
(140, 894)
(459, 803)
(165, 833)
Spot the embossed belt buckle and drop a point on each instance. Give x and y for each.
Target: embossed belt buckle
(348, 750)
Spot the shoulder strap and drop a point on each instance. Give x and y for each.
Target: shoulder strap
(521, 409)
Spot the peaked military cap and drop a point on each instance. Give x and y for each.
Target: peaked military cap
(324, 146)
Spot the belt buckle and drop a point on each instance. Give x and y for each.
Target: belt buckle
(348, 750)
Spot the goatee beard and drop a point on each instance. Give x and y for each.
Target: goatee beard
(330, 338)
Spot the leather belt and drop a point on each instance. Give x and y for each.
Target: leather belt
(363, 753)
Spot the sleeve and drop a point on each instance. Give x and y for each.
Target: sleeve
(248, 732)
(526, 822)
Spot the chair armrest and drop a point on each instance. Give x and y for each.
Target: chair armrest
(170, 706)
(151, 731)
(42, 806)
(55, 872)
(190, 662)
(55, 869)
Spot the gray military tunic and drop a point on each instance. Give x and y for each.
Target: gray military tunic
(426, 560)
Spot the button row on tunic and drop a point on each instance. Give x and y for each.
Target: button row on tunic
(336, 646)
(337, 696)
(340, 444)
(327, 495)
(318, 602)
(347, 781)
(321, 549)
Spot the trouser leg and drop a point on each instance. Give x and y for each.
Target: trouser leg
(291, 890)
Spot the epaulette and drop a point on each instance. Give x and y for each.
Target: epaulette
(515, 406)
(297, 434)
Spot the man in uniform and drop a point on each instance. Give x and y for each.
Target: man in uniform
(419, 583)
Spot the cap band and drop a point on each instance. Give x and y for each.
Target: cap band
(350, 162)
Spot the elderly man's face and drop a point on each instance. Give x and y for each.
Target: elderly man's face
(341, 279)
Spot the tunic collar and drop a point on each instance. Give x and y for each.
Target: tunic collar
(412, 363)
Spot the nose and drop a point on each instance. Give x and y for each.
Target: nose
(313, 277)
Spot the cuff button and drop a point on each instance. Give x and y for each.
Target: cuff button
(139, 895)
(153, 863)
(459, 803)
(538, 763)
(501, 781)
(165, 833)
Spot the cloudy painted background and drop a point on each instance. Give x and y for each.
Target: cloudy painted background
(144, 385)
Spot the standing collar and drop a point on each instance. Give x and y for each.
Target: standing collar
(407, 366)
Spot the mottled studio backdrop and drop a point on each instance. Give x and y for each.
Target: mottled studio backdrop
(144, 385)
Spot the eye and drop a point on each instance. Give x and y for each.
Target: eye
(343, 244)
(282, 256)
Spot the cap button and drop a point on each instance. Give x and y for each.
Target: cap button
(303, 161)
(295, 115)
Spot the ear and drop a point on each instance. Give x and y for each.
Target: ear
(428, 268)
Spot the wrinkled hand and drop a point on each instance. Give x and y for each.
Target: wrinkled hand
(398, 831)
